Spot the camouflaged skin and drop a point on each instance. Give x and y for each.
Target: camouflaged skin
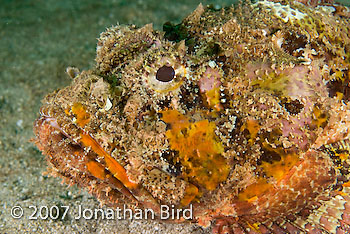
(240, 112)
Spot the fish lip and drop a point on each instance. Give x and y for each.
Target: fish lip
(52, 121)
(46, 120)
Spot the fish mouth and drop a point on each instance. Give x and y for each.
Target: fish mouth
(83, 161)
(70, 160)
(80, 162)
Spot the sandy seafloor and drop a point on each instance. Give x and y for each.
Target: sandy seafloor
(38, 40)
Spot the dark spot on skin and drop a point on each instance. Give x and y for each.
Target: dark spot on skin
(190, 97)
(63, 136)
(225, 99)
(323, 115)
(191, 44)
(293, 41)
(344, 171)
(195, 66)
(213, 49)
(273, 31)
(343, 167)
(269, 156)
(271, 136)
(291, 217)
(334, 155)
(339, 86)
(164, 103)
(146, 110)
(221, 59)
(210, 48)
(236, 136)
(170, 157)
(292, 106)
(335, 86)
(165, 74)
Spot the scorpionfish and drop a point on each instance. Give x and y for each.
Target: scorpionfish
(240, 113)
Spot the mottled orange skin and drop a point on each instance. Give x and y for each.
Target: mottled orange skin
(251, 129)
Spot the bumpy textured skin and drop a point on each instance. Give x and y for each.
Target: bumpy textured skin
(253, 130)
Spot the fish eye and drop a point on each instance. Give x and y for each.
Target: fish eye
(165, 74)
